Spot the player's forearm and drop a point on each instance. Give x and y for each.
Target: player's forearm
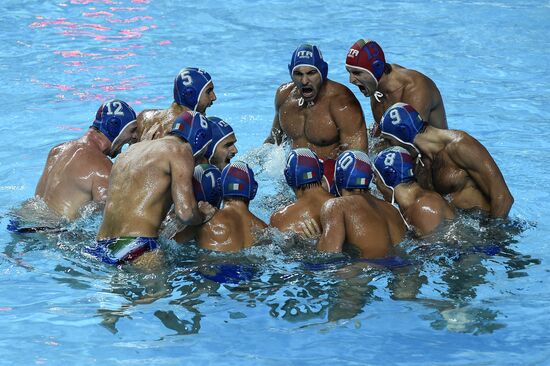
(328, 246)
(190, 216)
(501, 205)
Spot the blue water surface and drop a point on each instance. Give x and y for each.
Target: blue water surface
(478, 294)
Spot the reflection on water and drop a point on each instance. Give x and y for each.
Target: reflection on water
(288, 278)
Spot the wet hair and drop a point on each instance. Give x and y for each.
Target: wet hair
(310, 185)
(387, 68)
(410, 181)
(423, 128)
(236, 198)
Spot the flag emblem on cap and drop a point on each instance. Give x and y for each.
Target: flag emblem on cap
(307, 175)
(233, 186)
(361, 181)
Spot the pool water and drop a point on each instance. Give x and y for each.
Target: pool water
(474, 294)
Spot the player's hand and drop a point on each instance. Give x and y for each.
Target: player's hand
(207, 210)
(310, 228)
(375, 129)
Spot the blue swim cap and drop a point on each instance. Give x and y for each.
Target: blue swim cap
(238, 180)
(303, 167)
(402, 122)
(353, 171)
(189, 85)
(308, 55)
(394, 166)
(220, 130)
(112, 117)
(207, 184)
(195, 129)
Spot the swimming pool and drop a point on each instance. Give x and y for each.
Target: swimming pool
(476, 295)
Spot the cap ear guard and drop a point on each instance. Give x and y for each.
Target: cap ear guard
(113, 126)
(322, 64)
(405, 133)
(389, 176)
(375, 51)
(289, 177)
(338, 179)
(254, 188)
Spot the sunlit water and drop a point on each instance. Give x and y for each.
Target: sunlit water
(475, 293)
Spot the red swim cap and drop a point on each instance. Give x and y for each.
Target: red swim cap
(367, 55)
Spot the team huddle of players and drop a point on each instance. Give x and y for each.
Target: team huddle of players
(179, 167)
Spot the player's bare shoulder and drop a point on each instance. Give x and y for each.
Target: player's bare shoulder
(415, 79)
(96, 158)
(175, 151)
(219, 228)
(283, 92)
(149, 114)
(460, 142)
(335, 89)
(340, 95)
(335, 206)
(147, 118)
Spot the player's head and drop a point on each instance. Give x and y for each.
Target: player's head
(353, 171)
(238, 181)
(117, 121)
(194, 128)
(303, 167)
(194, 89)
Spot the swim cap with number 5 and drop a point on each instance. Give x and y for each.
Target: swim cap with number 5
(189, 85)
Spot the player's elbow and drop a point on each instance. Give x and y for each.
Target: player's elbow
(502, 205)
(328, 246)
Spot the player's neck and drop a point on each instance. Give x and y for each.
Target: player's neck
(430, 142)
(389, 84)
(97, 140)
(235, 203)
(310, 192)
(178, 109)
(355, 192)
